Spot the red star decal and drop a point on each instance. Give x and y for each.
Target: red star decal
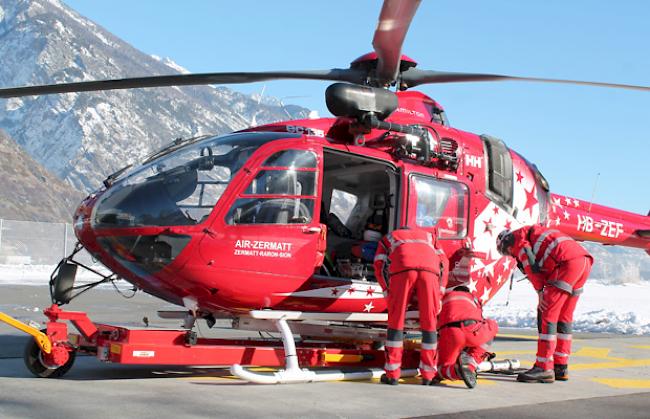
(495, 210)
(531, 200)
(508, 225)
(335, 292)
(489, 226)
(520, 177)
(351, 290)
(369, 291)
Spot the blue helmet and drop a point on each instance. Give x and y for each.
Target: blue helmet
(505, 240)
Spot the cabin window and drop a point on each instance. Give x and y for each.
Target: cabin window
(499, 171)
(282, 192)
(442, 205)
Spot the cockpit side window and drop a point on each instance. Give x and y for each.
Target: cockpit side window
(282, 192)
(179, 187)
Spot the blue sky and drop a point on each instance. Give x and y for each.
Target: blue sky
(571, 133)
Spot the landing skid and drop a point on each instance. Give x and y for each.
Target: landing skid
(294, 374)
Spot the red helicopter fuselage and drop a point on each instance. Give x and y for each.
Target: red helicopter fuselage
(276, 216)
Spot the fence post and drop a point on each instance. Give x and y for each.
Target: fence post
(65, 239)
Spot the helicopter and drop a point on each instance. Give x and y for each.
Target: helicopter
(273, 226)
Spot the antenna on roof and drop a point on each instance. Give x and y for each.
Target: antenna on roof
(593, 193)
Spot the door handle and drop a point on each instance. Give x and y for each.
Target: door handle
(311, 230)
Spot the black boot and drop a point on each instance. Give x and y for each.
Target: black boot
(433, 382)
(536, 375)
(390, 381)
(465, 372)
(561, 372)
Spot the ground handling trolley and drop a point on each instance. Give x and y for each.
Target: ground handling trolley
(52, 351)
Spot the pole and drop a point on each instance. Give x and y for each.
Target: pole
(593, 193)
(65, 239)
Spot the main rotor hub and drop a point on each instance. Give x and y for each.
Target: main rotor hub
(368, 63)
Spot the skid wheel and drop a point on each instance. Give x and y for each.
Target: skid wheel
(34, 363)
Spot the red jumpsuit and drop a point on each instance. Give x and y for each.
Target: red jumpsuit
(461, 326)
(558, 268)
(408, 259)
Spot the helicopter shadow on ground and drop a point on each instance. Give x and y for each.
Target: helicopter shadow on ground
(12, 346)
(87, 368)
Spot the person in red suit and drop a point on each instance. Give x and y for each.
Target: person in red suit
(464, 336)
(407, 260)
(557, 267)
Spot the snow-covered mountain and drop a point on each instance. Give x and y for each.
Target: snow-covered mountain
(618, 265)
(29, 192)
(84, 137)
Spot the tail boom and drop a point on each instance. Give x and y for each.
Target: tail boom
(587, 221)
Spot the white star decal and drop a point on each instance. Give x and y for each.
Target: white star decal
(567, 200)
(368, 307)
(506, 264)
(499, 279)
(557, 221)
(486, 295)
(478, 264)
(557, 201)
(566, 215)
(576, 203)
(472, 285)
(489, 269)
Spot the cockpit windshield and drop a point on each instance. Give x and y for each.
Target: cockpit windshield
(180, 187)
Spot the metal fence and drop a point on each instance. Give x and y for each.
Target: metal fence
(37, 243)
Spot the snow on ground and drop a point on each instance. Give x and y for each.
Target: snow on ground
(40, 274)
(613, 308)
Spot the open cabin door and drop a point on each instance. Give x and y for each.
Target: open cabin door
(271, 226)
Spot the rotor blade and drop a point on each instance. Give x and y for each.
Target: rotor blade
(348, 75)
(414, 77)
(394, 21)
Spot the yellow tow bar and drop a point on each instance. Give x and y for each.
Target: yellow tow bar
(41, 338)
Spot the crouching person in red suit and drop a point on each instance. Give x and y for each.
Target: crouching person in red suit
(408, 260)
(464, 336)
(558, 267)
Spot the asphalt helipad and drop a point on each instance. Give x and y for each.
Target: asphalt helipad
(610, 377)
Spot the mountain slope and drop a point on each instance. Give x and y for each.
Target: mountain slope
(29, 192)
(84, 137)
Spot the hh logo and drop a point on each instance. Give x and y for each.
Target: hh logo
(473, 161)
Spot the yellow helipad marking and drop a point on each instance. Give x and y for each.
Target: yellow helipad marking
(209, 378)
(508, 335)
(598, 353)
(613, 364)
(640, 346)
(623, 383)
(216, 376)
(507, 353)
